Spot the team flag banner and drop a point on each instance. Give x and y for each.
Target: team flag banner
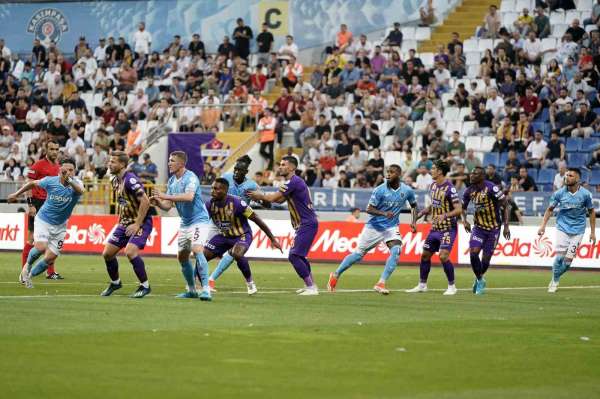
(334, 240)
(192, 144)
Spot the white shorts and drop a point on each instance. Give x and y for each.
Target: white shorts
(54, 236)
(369, 238)
(194, 235)
(568, 243)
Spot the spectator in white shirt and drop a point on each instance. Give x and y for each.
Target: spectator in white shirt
(495, 104)
(138, 108)
(533, 48)
(142, 40)
(4, 51)
(288, 49)
(559, 178)
(536, 151)
(35, 118)
(100, 51)
(303, 86)
(424, 179)
(363, 44)
(357, 162)
(329, 181)
(432, 112)
(73, 142)
(568, 48)
(442, 76)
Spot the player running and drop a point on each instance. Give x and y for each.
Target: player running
(48, 166)
(184, 192)
(446, 208)
(303, 218)
(230, 214)
(488, 200)
(238, 185)
(133, 228)
(385, 205)
(574, 203)
(63, 192)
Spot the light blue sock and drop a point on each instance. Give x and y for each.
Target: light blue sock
(39, 268)
(347, 263)
(391, 262)
(202, 269)
(34, 254)
(565, 266)
(223, 265)
(557, 268)
(188, 274)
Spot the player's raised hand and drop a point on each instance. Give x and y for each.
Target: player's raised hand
(593, 237)
(255, 195)
(541, 231)
(506, 233)
(467, 226)
(275, 243)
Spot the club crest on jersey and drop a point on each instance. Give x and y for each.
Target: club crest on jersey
(48, 25)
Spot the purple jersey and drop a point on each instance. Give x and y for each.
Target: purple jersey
(230, 216)
(128, 192)
(486, 198)
(443, 197)
(299, 203)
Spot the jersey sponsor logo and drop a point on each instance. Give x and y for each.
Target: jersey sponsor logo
(59, 198)
(48, 25)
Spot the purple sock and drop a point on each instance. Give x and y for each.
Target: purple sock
(244, 267)
(139, 268)
(485, 263)
(301, 268)
(476, 265)
(112, 267)
(449, 270)
(425, 267)
(307, 263)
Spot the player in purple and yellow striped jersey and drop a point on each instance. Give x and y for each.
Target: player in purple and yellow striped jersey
(231, 214)
(489, 201)
(445, 208)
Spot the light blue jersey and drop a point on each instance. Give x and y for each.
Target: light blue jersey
(572, 209)
(190, 212)
(386, 199)
(60, 201)
(239, 190)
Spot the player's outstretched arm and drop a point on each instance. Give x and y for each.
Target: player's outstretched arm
(414, 216)
(263, 226)
(593, 225)
(275, 196)
(424, 212)
(26, 187)
(547, 216)
(505, 206)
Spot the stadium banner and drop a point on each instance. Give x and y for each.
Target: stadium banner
(12, 231)
(89, 233)
(313, 23)
(526, 248)
(192, 144)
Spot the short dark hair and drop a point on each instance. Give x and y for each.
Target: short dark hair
(179, 154)
(477, 168)
(68, 160)
(575, 170)
(121, 156)
(52, 141)
(222, 181)
(245, 159)
(396, 166)
(291, 160)
(443, 166)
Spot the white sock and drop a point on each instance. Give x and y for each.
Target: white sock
(116, 282)
(146, 284)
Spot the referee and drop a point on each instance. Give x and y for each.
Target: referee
(47, 166)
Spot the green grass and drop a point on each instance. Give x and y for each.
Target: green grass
(509, 343)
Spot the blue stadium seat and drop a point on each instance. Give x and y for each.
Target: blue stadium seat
(503, 158)
(533, 172)
(547, 188)
(577, 159)
(585, 175)
(595, 177)
(491, 158)
(590, 144)
(546, 176)
(573, 144)
(521, 158)
(597, 111)
(544, 116)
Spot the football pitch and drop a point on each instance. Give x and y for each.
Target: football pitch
(62, 340)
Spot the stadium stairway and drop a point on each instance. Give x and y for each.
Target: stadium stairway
(464, 20)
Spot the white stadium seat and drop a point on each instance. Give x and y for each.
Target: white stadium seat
(423, 33)
(473, 142)
(507, 5)
(468, 127)
(392, 157)
(451, 113)
(485, 44)
(426, 59)
(549, 43)
(470, 45)
(487, 143)
(408, 45)
(559, 30)
(473, 58)
(408, 33)
(557, 18)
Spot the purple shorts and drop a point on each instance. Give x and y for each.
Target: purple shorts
(440, 240)
(484, 239)
(119, 239)
(303, 239)
(220, 244)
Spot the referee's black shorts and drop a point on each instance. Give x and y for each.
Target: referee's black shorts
(37, 203)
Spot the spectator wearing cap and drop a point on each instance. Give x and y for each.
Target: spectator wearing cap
(149, 171)
(142, 41)
(393, 39)
(242, 35)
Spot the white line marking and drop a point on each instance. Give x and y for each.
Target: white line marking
(290, 290)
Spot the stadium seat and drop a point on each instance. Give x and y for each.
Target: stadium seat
(533, 172)
(546, 176)
(464, 111)
(573, 144)
(546, 188)
(445, 98)
(57, 111)
(472, 71)
(473, 142)
(557, 18)
(408, 33)
(503, 158)
(452, 126)
(470, 45)
(543, 116)
(585, 175)
(595, 177)
(426, 59)
(590, 144)
(521, 4)
(584, 4)
(473, 58)
(491, 158)
(558, 30)
(577, 159)
(487, 143)
(521, 158)
(387, 142)
(485, 44)
(509, 18)
(408, 45)
(422, 33)
(419, 125)
(507, 6)
(392, 157)
(451, 113)
(548, 43)
(570, 15)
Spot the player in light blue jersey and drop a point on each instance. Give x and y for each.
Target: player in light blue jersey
(50, 228)
(239, 185)
(184, 192)
(574, 204)
(385, 205)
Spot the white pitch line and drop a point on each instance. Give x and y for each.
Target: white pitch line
(290, 290)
